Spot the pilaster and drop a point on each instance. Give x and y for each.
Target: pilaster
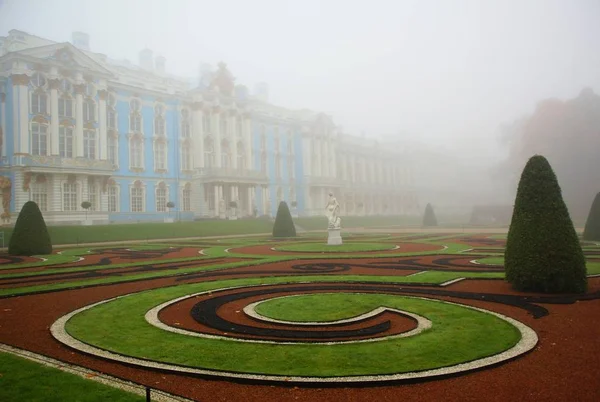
(54, 118)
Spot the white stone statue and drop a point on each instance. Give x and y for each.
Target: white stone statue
(331, 211)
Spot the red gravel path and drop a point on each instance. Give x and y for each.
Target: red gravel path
(563, 366)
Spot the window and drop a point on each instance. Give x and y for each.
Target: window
(65, 107)
(39, 101)
(290, 144)
(69, 197)
(206, 123)
(241, 159)
(187, 198)
(89, 111)
(113, 150)
(224, 127)
(93, 196)
(186, 158)
(291, 167)
(136, 153)
(135, 117)
(276, 142)
(277, 166)
(137, 199)
(209, 155)
(263, 162)
(159, 121)
(225, 154)
(111, 119)
(160, 155)
(135, 123)
(161, 198)
(159, 126)
(38, 195)
(113, 198)
(186, 129)
(39, 139)
(89, 144)
(65, 141)
(238, 127)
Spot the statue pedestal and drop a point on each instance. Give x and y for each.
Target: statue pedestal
(334, 238)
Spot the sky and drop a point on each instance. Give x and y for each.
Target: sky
(447, 73)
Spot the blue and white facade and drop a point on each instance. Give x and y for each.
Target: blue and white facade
(76, 126)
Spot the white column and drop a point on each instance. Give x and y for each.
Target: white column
(332, 159)
(216, 122)
(216, 196)
(21, 116)
(197, 135)
(324, 158)
(249, 205)
(306, 155)
(78, 135)
(234, 141)
(54, 84)
(265, 197)
(247, 132)
(102, 138)
(3, 120)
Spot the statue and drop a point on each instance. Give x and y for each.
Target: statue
(331, 211)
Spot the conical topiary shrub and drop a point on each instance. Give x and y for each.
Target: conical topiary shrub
(30, 235)
(543, 253)
(429, 218)
(592, 225)
(284, 225)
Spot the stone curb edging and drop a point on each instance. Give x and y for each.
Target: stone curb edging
(152, 319)
(88, 374)
(527, 342)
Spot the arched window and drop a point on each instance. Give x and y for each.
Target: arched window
(111, 112)
(239, 126)
(241, 156)
(206, 123)
(161, 197)
(136, 152)
(135, 116)
(225, 154)
(159, 121)
(39, 192)
(69, 193)
(209, 152)
(224, 127)
(186, 158)
(186, 128)
(137, 197)
(65, 106)
(186, 197)
(113, 196)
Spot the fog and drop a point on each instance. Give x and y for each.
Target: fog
(441, 75)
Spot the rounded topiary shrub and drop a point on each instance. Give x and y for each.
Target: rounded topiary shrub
(592, 225)
(30, 235)
(284, 225)
(543, 253)
(429, 218)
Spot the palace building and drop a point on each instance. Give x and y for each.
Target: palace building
(77, 126)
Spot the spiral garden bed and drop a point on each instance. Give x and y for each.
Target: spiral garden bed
(233, 324)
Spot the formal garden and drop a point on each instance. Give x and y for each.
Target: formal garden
(273, 314)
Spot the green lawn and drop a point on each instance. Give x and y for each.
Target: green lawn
(24, 380)
(455, 337)
(147, 231)
(342, 248)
